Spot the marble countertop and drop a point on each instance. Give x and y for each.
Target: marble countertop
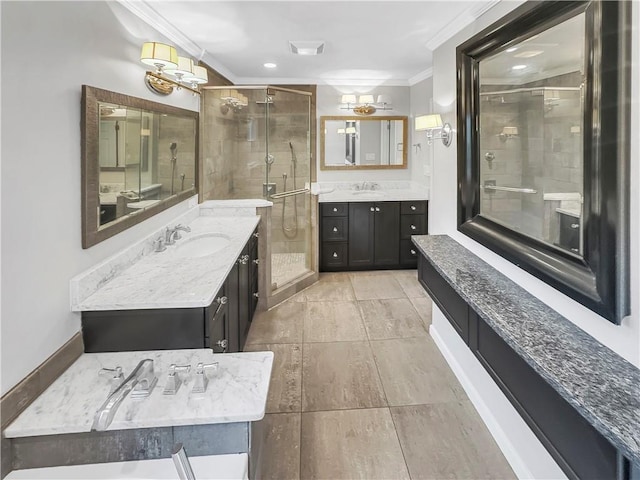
(383, 191)
(167, 280)
(569, 211)
(602, 386)
(237, 392)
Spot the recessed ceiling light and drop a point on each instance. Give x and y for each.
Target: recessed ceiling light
(306, 47)
(518, 67)
(270, 65)
(528, 54)
(512, 49)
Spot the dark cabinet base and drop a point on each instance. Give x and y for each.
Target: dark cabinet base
(580, 450)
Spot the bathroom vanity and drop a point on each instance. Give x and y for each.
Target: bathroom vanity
(578, 397)
(201, 292)
(371, 228)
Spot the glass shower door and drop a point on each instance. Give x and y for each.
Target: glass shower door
(287, 180)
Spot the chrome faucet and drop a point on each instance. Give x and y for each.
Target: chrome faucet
(141, 381)
(173, 234)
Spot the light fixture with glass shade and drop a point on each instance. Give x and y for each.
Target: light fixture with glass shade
(365, 104)
(430, 123)
(167, 63)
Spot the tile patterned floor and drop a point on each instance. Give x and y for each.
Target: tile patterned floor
(360, 391)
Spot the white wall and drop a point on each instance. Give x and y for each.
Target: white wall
(623, 339)
(49, 50)
(328, 104)
(521, 449)
(421, 101)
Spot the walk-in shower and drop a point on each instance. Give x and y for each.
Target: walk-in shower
(258, 145)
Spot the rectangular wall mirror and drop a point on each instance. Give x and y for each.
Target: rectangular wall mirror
(366, 143)
(543, 155)
(138, 158)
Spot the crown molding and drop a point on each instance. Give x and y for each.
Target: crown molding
(145, 12)
(337, 82)
(463, 20)
(421, 76)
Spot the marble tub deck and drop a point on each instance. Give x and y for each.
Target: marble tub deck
(237, 392)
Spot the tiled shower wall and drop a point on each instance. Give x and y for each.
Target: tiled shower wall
(545, 156)
(179, 130)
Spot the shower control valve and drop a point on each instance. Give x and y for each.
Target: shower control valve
(335, 229)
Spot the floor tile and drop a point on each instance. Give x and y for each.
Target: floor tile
(339, 376)
(448, 440)
(337, 321)
(281, 454)
(413, 372)
(330, 287)
(351, 444)
(281, 324)
(423, 308)
(376, 285)
(285, 389)
(391, 318)
(408, 280)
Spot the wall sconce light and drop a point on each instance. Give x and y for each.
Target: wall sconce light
(167, 62)
(508, 133)
(347, 131)
(365, 104)
(430, 123)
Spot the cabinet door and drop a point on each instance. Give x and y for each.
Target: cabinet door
(361, 231)
(386, 236)
(216, 320)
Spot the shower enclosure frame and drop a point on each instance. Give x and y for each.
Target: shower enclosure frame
(269, 295)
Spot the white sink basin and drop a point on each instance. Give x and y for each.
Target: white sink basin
(368, 193)
(201, 245)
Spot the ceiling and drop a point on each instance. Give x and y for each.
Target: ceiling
(366, 42)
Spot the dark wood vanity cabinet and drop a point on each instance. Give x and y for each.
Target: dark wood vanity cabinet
(370, 235)
(222, 326)
(569, 234)
(578, 448)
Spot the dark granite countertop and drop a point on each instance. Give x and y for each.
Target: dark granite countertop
(602, 386)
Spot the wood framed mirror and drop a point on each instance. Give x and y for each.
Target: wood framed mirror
(138, 158)
(543, 146)
(363, 143)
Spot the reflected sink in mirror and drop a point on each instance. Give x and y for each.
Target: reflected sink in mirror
(369, 193)
(201, 245)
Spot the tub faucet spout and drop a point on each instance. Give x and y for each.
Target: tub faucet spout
(141, 381)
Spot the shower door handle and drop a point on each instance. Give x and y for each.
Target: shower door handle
(290, 193)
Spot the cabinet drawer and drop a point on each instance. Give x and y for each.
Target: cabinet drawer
(419, 206)
(335, 209)
(335, 229)
(334, 255)
(408, 253)
(412, 225)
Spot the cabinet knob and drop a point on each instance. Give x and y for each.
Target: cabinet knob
(413, 227)
(413, 252)
(256, 235)
(243, 260)
(335, 209)
(222, 343)
(372, 209)
(575, 250)
(575, 225)
(335, 229)
(256, 261)
(222, 300)
(256, 295)
(335, 255)
(377, 209)
(413, 207)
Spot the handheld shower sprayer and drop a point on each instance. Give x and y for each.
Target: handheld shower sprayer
(173, 147)
(174, 151)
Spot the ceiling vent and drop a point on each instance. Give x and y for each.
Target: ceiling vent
(306, 47)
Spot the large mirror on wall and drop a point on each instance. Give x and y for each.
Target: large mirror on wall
(366, 143)
(543, 150)
(138, 158)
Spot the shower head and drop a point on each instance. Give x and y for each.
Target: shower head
(173, 147)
